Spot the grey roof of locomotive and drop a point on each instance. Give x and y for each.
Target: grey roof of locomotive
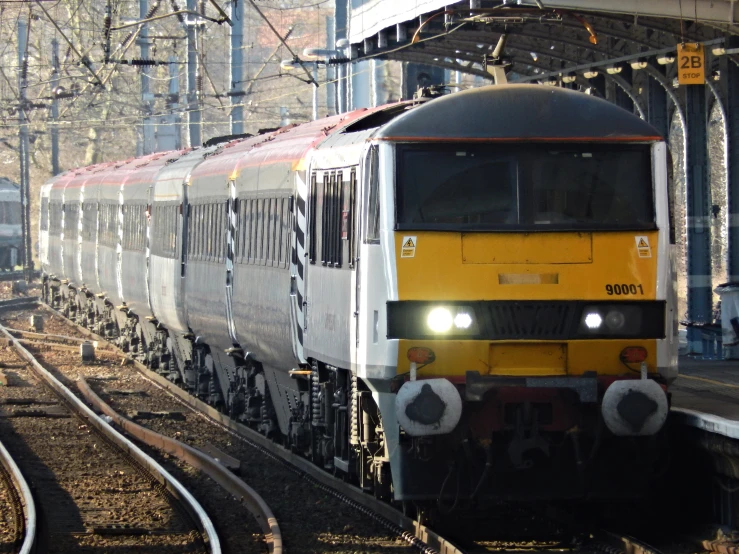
(531, 113)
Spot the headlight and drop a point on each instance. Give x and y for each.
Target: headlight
(462, 320)
(452, 319)
(439, 320)
(609, 320)
(615, 320)
(497, 320)
(593, 320)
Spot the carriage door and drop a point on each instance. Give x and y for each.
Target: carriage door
(232, 212)
(366, 225)
(299, 207)
(349, 228)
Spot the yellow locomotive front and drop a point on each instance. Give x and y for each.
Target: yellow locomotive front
(535, 315)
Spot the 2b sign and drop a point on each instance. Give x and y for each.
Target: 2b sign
(691, 64)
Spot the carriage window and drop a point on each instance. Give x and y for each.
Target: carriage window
(282, 232)
(165, 231)
(246, 230)
(44, 223)
(209, 231)
(195, 232)
(348, 218)
(312, 200)
(89, 214)
(71, 221)
(372, 180)
(324, 217)
(274, 226)
(142, 227)
(201, 231)
(173, 230)
(54, 218)
(217, 231)
(269, 233)
(224, 231)
(261, 228)
(331, 220)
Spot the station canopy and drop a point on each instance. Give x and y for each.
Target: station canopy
(541, 39)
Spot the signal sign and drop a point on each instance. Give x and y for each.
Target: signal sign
(691, 66)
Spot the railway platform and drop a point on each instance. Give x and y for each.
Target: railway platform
(706, 395)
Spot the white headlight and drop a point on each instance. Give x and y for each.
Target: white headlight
(615, 320)
(439, 320)
(593, 320)
(462, 320)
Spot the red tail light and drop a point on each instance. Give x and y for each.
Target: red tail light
(633, 354)
(421, 355)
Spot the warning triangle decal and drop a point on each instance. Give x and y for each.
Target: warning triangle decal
(409, 244)
(643, 244)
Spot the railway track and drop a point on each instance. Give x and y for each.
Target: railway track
(18, 519)
(94, 488)
(126, 386)
(313, 519)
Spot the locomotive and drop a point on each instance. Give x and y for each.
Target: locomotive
(451, 300)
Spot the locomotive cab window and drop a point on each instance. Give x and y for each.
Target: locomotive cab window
(479, 187)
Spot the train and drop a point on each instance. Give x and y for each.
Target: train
(11, 240)
(451, 301)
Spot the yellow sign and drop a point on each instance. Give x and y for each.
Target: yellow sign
(408, 247)
(691, 64)
(642, 246)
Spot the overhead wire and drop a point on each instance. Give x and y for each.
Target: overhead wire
(103, 79)
(85, 60)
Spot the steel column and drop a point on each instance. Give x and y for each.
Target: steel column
(616, 95)
(342, 71)
(730, 99)
(331, 70)
(147, 98)
(378, 82)
(55, 107)
(193, 77)
(315, 91)
(25, 255)
(700, 294)
(360, 85)
(657, 106)
(169, 136)
(237, 64)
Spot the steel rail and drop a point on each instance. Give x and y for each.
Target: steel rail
(415, 533)
(16, 275)
(29, 507)
(193, 507)
(41, 334)
(18, 302)
(199, 460)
